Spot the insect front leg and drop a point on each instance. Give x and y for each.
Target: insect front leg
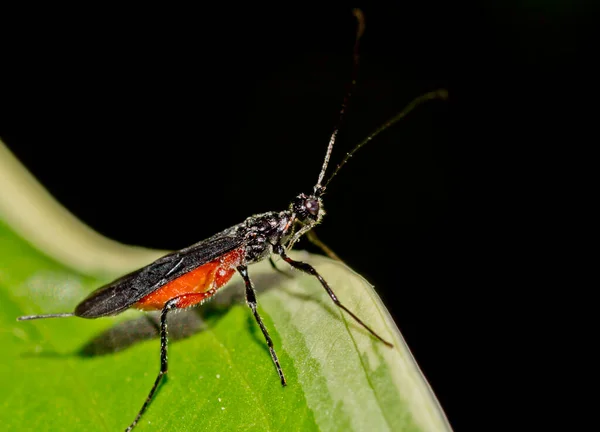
(314, 239)
(251, 300)
(277, 269)
(307, 268)
(171, 304)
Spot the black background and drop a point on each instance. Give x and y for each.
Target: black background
(161, 127)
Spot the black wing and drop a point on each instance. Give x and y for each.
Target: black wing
(127, 290)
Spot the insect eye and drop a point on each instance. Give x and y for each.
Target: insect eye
(312, 206)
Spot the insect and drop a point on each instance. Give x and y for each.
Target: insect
(192, 275)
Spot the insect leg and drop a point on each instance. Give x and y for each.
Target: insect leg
(312, 237)
(251, 300)
(277, 269)
(307, 268)
(171, 304)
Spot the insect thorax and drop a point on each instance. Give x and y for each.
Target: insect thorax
(265, 230)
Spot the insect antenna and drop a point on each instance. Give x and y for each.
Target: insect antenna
(33, 317)
(437, 94)
(319, 189)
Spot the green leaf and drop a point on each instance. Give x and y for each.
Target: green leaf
(77, 374)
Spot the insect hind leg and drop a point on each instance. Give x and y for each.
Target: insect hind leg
(171, 304)
(34, 317)
(251, 300)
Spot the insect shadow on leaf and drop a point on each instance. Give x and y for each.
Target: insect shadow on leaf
(184, 323)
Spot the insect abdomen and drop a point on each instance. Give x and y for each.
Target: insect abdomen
(195, 286)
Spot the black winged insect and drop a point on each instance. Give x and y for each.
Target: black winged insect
(189, 276)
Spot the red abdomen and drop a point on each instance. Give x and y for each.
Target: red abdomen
(196, 285)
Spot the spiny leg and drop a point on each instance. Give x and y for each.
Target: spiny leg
(171, 304)
(312, 237)
(251, 300)
(307, 268)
